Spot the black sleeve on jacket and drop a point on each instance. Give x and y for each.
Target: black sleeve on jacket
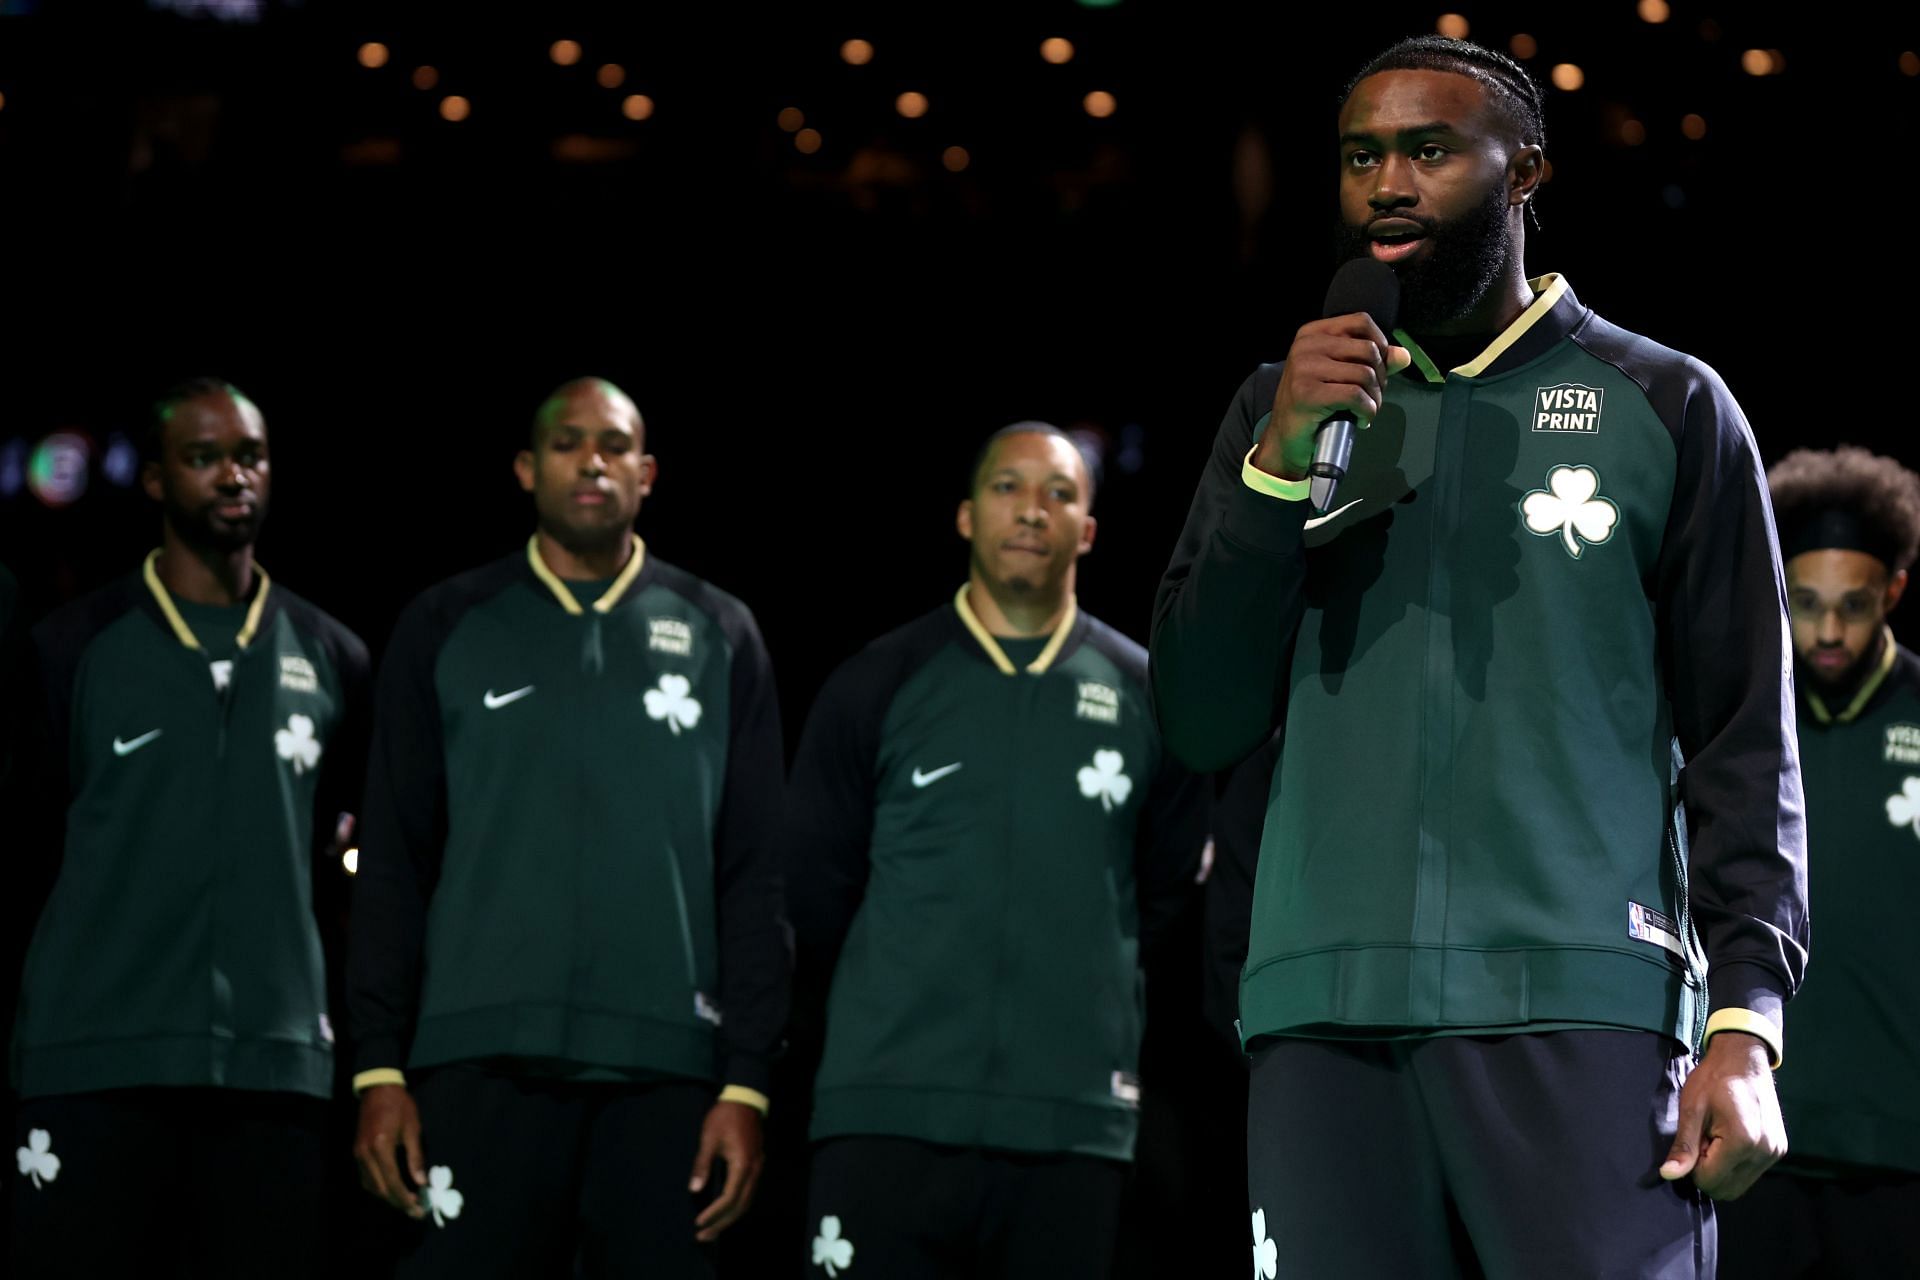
(403, 831)
(755, 962)
(1726, 657)
(1230, 602)
(1238, 819)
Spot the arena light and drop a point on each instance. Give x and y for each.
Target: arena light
(955, 159)
(1523, 45)
(1568, 77)
(425, 78)
(454, 108)
(1632, 132)
(1099, 104)
(911, 105)
(373, 55)
(791, 118)
(1655, 11)
(564, 52)
(637, 106)
(1056, 49)
(807, 141)
(1453, 26)
(1910, 63)
(1694, 125)
(856, 53)
(611, 76)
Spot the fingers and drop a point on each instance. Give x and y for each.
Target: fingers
(703, 1158)
(1684, 1154)
(416, 1155)
(743, 1175)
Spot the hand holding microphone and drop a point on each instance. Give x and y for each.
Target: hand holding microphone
(1336, 373)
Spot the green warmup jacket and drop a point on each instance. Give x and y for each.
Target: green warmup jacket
(181, 794)
(567, 856)
(983, 840)
(1535, 686)
(1850, 1087)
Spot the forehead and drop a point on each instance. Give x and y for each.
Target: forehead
(1038, 452)
(1390, 102)
(592, 409)
(1834, 571)
(215, 414)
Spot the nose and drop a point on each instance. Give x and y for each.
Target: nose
(1393, 185)
(1830, 631)
(229, 476)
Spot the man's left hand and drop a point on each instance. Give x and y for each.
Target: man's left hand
(731, 1134)
(1730, 1127)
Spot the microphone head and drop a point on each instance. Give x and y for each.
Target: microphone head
(1365, 284)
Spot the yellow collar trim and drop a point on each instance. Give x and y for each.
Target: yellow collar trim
(1039, 665)
(1548, 290)
(609, 598)
(184, 633)
(1888, 655)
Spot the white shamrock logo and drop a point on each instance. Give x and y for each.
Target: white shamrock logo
(37, 1160)
(1903, 810)
(442, 1199)
(1571, 509)
(670, 703)
(1266, 1257)
(830, 1249)
(1103, 780)
(297, 743)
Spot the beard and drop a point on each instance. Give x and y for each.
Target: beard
(204, 530)
(1468, 254)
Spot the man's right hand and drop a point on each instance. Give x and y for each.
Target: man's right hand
(389, 1121)
(1339, 363)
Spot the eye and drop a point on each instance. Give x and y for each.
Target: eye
(1360, 160)
(1430, 152)
(1003, 486)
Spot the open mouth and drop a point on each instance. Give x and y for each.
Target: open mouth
(1392, 239)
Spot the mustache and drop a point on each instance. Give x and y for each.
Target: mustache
(1427, 225)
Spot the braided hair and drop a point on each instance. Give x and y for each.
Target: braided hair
(1510, 87)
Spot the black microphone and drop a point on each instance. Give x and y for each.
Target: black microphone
(1363, 284)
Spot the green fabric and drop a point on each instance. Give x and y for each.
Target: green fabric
(1850, 1083)
(179, 946)
(520, 960)
(1357, 921)
(988, 993)
(215, 626)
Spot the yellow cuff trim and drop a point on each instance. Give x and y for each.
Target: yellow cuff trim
(1753, 1024)
(751, 1097)
(1273, 486)
(378, 1075)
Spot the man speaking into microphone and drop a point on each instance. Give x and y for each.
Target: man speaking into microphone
(1531, 892)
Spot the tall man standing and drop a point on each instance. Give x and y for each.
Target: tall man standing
(984, 833)
(1539, 748)
(568, 969)
(199, 731)
(1846, 1202)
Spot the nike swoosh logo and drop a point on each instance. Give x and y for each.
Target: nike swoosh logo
(132, 745)
(1316, 521)
(923, 779)
(494, 703)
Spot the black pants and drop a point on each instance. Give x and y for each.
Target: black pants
(1791, 1227)
(1515, 1157)
(169, 1182)
(530, 1177)
(885, 1207)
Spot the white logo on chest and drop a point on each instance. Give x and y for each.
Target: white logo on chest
(494, 701)
(297, 674)
(1103, 781)
(296, 743)
(932, 776)
(1568, 407)
(1902, 744)
(673, 702)
(1903, 807)
(1098, 702)
(1571, 507)
(670, 635)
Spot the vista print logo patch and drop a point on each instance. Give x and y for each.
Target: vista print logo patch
(673, 702)
(1568, 407)
(1571, 507)
(296, 743)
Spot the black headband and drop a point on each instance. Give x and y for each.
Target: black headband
(1836, 529)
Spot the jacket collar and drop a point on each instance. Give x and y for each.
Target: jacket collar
(997, 655)
(561, 592)
(1554, 314)
(184, 633)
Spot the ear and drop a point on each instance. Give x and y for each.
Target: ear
(150, 480)
(649, 474)
(1526, 171)
(523, 469)
(1895, 589)
(1086, 536)
(963, 519)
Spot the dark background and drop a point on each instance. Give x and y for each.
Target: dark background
(819, 341)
